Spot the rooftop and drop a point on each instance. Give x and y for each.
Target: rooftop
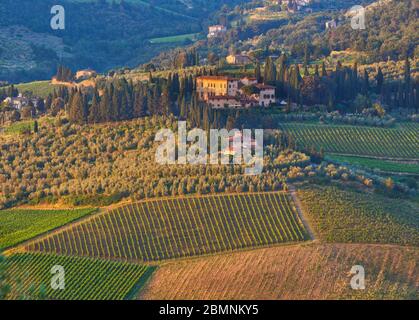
(216, 78)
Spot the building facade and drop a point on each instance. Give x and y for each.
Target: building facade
(211, 86)
(216, 31)
(238, 59)
(266, 95)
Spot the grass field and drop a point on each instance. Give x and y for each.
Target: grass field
(175, 39)
(400, 142)
(355, 217)
(19, 127)
(381, 165)
(182, 227)
(291, 272)
(24, 125)
(85, 279)
(19, 225)
(38, 88)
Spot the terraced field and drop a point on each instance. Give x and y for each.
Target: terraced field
(400, 142)
(85, 279)
(182, 227)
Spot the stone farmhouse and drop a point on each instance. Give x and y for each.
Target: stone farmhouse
(238, 59)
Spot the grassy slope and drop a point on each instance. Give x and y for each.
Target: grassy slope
(292, 272)
(381, 165)
(347, 216)
(38, 88)
(84, 278)
(175, 39)
(20, 225)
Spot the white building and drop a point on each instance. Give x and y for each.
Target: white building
(20, 101)
(266, 95)
(216, 31)
(247, 81)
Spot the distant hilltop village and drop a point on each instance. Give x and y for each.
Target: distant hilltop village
(226, 92)
(15, 106)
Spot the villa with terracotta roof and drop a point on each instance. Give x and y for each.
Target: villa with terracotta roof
(225, 92)
(210, 86)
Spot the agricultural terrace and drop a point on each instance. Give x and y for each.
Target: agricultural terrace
(290, 272)
(85, 279)
(399, 142)
(20, 225)
(357, 217)
(181, 227)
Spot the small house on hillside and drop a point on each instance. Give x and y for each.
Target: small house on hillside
(216, 31)
(238, 59)
(85, 74)
(20, 101)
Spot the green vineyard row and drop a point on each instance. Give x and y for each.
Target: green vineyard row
(402, 142)
(29, 275)
(182, 227)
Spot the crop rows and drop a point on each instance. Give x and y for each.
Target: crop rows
(29, 275)
(380, 142)
(315, 272)
(173, 228)
(20, 225)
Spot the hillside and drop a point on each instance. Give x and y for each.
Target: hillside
(343, 216)
(264, 29)
(180, 227)
(295, 272)
(98, 34)
(30, 276)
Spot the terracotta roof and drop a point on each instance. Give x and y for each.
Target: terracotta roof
(264, 86)
(223, 98)
(216, 78)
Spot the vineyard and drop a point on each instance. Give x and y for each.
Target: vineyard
(20, 225)
(377, 164)
(182, 227)
(400, 142)
(85, 279)
(290, 272)
(347, 216)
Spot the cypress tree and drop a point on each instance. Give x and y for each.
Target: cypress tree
(366, 84)
(324, 71)
(94, 112)
(258, 74)
(270, 71)
(380, 80)
(77, 109)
